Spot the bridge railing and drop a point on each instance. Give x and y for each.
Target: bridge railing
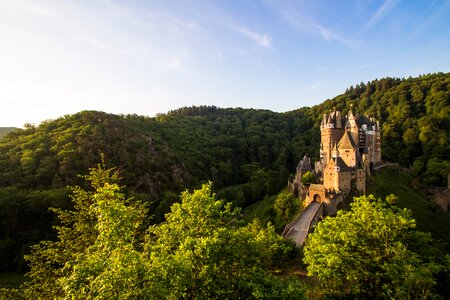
(290, 225)
(316, 217)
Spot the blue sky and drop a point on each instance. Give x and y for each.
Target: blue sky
(147, 57)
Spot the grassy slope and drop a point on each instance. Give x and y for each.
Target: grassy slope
(262, 210)
(390, 181)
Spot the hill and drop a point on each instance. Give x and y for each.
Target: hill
(427, 215)
(252, 150)
(5, 130)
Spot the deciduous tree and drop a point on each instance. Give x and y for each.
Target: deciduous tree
(372, 251)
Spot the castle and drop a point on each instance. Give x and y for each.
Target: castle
(350, 147)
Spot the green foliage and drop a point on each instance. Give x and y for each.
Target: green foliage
(200, 252)
(286, 206)
(254, 149)
(389, 181)
(94, 252)
(373, 251)
(24, 221)
(308, 178)
(263, 210)
(437, 171)
(11, 294)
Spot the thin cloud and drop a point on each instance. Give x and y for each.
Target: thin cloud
(261, 39)
(303, 24)
(387, 6)
(222, 19)
(315, 85)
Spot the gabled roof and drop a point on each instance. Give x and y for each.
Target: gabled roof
(346, 142)
(342, 165)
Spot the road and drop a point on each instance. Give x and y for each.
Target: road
(300, 226)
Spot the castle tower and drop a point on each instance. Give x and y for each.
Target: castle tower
(352, 126)
(337, 175)
(331, 131)
(331, 176)
(335, 151)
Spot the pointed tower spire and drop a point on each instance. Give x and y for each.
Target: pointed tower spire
(351, 126)
(351, 121)
(338, 119)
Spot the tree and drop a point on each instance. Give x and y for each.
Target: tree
(286, 206)
(111, 268)
(308, 178)
(367, 252)
(94, 255)
(201, 252)
(372, 251)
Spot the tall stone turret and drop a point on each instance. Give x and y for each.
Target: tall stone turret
(331, 131)
(352, 126)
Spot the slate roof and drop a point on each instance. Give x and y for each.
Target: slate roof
(342, 165)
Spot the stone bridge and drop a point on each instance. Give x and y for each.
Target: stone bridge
(298, 229)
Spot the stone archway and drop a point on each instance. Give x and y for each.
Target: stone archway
(317, 198)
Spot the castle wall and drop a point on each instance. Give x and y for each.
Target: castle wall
(361, 181)
(345, 182)
(329, 178)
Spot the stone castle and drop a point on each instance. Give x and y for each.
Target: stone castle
(349, 150)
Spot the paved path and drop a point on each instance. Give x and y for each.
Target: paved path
(300, 226)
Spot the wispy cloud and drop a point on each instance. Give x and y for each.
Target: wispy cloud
(261, 39)
(223, 19)
(301, 23)
(387, 6)
(316, 85)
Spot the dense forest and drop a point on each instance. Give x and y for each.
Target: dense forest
(246, 153)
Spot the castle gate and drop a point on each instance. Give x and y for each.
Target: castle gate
(317, 193)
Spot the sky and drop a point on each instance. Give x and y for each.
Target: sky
(60, 57)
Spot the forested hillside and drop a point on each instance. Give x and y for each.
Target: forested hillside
(5, 130)
(252, 150)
